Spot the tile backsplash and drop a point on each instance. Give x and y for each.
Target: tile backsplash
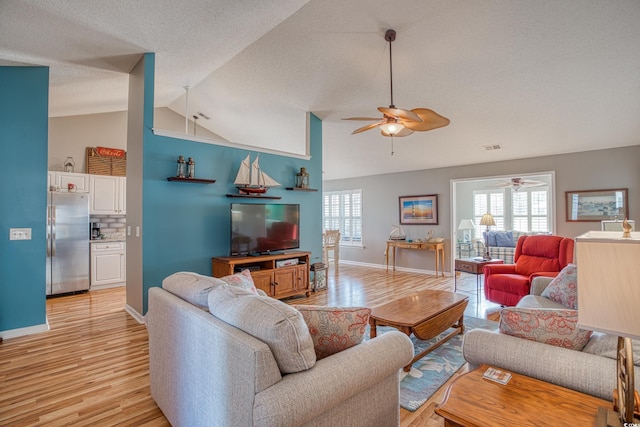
(112, 226)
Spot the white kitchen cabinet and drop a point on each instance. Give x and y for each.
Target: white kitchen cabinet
(108, 195)
(63, 179)
(108, 264)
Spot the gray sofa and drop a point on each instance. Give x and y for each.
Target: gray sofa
(204, 371)
(591, 371)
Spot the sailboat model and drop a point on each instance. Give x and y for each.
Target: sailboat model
(251, 180)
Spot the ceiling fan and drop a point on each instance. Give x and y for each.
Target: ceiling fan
(517, 183)
(398, 121)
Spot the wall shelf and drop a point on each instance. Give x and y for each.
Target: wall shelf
(248, 196)
(301, 189)
(194, 180)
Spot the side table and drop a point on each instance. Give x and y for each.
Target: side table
(472, 266)
(472, 400)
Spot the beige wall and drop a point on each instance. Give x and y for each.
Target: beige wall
(591, 170)
(70, 136)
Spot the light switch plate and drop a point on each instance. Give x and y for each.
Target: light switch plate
(19, 234)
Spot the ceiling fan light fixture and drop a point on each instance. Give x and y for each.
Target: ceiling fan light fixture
(392, 127)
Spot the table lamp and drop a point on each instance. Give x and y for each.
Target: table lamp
(608, 295)
(466, 225)
(487, 219)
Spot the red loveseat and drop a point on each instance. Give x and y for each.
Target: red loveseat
(540, 255)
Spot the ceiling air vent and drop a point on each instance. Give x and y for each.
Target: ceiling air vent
(492, 147)
(204, 116)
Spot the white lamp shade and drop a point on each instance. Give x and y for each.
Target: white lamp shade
(466, 224)
(609, 282)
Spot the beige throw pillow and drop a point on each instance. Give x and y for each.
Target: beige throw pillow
(275, 323)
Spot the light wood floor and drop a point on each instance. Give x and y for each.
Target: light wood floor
(91, 368)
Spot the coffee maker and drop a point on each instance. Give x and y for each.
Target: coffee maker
(95, 230)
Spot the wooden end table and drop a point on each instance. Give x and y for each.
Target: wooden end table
(472, 400)
(472, 266)
(426, 314)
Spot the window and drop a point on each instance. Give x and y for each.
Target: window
(491, 201)
(530, 208)
(342, 210)
(526, 210)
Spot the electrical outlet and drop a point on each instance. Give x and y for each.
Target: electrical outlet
(19, 234)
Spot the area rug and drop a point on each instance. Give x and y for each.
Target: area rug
(428, 374)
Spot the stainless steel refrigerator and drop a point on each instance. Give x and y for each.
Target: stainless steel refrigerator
(67, 242)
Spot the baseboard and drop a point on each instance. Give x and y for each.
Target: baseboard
(133, 313)
(20, 332)
(383, 266)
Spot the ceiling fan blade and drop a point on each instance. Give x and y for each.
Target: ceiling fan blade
(499, 185)
(362, 118)
(399, 113)
(430, 120)
(532, 183)
(404, 132)
(367, 127)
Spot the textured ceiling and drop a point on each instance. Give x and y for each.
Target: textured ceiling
(537, 78)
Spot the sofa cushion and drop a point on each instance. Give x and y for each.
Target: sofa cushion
(563, 288)
(242, 280)
(490, 238)
(191, 287)
(334, 329)
(275, 323)
(606, 345)
(536, 301)
(505, 239)
(549, 326)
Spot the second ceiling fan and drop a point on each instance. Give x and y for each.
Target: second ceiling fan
(398, 121)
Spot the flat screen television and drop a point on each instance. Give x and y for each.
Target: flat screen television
(264, 228)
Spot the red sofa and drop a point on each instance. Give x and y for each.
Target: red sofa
(540, 255)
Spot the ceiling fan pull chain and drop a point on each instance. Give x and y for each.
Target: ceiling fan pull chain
(392, 152)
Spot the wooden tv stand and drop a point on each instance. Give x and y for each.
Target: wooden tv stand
(277, 282)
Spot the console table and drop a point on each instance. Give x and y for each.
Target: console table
(472, 400)
(438, 248)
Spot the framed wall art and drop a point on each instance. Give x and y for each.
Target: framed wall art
(597, 205)
(419, 210)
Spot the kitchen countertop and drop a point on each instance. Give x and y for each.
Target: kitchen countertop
(116, 237)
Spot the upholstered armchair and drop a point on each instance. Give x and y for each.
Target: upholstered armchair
(540, 255)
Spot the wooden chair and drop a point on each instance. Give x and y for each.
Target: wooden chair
(331, 242)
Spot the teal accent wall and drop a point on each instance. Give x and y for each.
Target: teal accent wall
(186, 224)
(24, 106)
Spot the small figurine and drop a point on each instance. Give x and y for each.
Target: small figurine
(627, 229)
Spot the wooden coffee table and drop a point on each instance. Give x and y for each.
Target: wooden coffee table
(472, 400)
(425, 314)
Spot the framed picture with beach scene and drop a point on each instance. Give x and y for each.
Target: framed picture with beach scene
(597, 205)
(419, 210)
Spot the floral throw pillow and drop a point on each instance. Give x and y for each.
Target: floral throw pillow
(334, 329)
(242, 280)
(549, 326)
(563, 288)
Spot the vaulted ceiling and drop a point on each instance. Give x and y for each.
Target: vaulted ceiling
(534, 77)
